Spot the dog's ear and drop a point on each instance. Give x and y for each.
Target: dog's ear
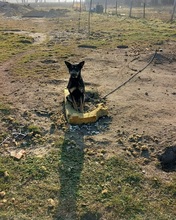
(69, 65)
(81, 64)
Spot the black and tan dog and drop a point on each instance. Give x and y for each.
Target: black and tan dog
(76, 86)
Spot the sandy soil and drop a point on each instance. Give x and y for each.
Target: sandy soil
(142, 114)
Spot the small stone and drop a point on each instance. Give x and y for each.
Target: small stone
(51, 203)
(105, 191)
(17, 155)
(91, 153)
(144, 148)
(130, 149)
(2, 194)
(13, 200)
(120, 142)
(4, 200)
(102, 162)
(135, 154)
(44, 168)
(131, 138)
(15, 143)
(6, 174)
(38, 136)
(103, 151)
(11, 118)
(69, 169)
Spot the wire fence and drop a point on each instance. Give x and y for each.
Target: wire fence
(163, 12)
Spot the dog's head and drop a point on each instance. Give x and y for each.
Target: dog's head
(74, 69)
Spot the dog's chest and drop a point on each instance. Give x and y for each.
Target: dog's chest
(75, 85)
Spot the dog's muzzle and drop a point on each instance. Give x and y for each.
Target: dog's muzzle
(74, 76)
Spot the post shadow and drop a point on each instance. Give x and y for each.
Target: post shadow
(70, 169)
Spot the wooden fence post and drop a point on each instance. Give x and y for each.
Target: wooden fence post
(131, 5)
(173, 12)
(90, 8)
(144, 9)
(116, 7)
(79, 19)
(106, 2)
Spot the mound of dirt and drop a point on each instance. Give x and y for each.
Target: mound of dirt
(10, 10)
(52, 13)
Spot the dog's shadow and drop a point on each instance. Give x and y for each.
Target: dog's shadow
(70, 169)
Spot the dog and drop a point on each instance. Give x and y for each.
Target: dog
(76, 85)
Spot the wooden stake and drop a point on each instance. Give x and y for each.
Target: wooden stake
(144, 9)
(106, 2)
(79, 19)
(90, 7)
(131, 5)
(173, 12)
(116, 7)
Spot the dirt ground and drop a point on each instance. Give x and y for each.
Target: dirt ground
(142, 114)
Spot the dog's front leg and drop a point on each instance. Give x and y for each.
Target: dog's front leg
(74, 104)
(81, 105)
(82, 90)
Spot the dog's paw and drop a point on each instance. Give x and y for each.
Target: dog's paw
(71, 90)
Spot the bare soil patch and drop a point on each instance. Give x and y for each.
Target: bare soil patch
(145, 106)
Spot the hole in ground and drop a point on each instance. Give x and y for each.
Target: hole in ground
(168, 159)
